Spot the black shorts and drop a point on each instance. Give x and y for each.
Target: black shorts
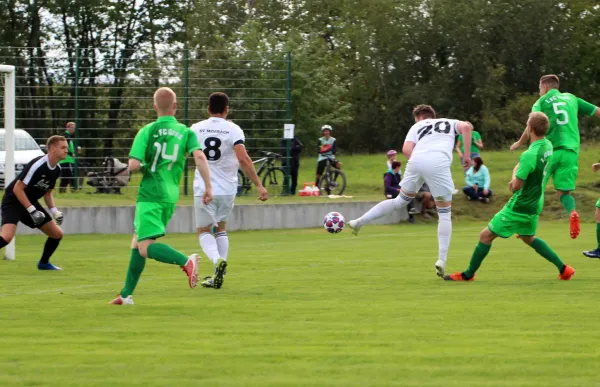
(321, 165)
(13, 213)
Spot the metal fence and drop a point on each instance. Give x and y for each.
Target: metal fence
(109, 97)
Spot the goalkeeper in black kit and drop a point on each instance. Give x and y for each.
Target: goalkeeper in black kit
(21, 200)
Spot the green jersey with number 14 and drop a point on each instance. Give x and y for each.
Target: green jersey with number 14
(562, 110)
(161, 147)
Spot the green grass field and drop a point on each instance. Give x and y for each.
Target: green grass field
(365, 182)
(303, 307)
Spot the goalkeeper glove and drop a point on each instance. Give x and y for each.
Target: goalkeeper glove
(57, 215)
(37, 216)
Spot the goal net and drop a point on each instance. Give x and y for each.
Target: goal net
(7, 136)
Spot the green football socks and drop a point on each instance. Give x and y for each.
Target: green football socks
(166, 254)
(545, 251)
(598, 234)
(479, 254)
(136, 267)
(568, 202)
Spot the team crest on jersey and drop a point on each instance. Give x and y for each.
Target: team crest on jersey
(43, 185)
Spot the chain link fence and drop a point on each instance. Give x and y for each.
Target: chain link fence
(110, 99)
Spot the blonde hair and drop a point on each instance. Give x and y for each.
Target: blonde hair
(551, 81)
(164, 98)
(539, 123)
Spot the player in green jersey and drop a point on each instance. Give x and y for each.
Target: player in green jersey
(562, 110)
(596, 252)
(160, 150)
(520, 214)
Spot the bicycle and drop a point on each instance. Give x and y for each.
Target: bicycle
(332, 181)
(272, 180)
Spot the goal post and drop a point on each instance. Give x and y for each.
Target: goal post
(9, 137)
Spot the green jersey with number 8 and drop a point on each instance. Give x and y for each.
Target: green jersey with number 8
(161, 147)
(562, 110)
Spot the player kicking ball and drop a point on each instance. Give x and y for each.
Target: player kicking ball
(160, 149)
(223, 144)
(21, 200)
(520, 215)
(596, 252)
(428, 148)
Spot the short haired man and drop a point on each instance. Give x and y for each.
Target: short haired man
(160, 150)
(520, 215)
(225, 150)
(428, 148)
(21, 200)
(562, 110)
(67, 166)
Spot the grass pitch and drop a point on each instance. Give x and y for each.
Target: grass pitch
(302, 307)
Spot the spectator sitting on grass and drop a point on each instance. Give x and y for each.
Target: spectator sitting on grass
(478, 182)
(391, 156)
(391, 183)
(427, 203)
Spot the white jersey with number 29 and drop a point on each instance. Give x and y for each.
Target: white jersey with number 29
(433, 136)
(217, 137)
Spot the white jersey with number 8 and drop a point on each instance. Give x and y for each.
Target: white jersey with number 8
(217, 137)
(433, 136)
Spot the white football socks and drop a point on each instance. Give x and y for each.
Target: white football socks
(444, 232)
(383, 208)
(209, 246)
(222, 244)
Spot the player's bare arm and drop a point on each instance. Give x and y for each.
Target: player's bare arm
(522, 141)
(202, 167)
(466, 129)
(407, 149)
(56, 214)
(597, 114)
(595, 167)
(248, 168)
(515, 183)
(134, 165)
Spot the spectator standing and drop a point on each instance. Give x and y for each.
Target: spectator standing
(67, 166)
(476, 146)
(295, 149)
(478, 182)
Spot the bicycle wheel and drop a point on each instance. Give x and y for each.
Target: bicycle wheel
(244, 184)
(333, 182)
(273, 181)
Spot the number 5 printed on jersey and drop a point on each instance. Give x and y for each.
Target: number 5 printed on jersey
(161, 151)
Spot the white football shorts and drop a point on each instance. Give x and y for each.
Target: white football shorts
(218, 210)
(433, 171)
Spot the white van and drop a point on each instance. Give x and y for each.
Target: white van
(26, 149)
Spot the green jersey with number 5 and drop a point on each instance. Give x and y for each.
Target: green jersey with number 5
(562, 110)
(161, 147)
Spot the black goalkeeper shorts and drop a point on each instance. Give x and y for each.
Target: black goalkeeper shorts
(13, 213)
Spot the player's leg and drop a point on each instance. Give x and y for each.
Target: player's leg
(55, 234)
(542, 248)
(151, 221)
(410, 185)
(7, 234)
(592, 253)
(11, 216)
(564, 174)
(136, 266)
(205, 219)
(486, 237)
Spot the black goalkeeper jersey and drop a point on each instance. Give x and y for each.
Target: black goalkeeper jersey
(38, 177)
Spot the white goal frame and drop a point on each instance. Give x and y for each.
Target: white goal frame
(9, 137)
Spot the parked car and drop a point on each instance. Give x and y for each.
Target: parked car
(26, 149)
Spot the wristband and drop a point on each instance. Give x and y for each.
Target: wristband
(31, 209)
(53, 210)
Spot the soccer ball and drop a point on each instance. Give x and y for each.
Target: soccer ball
(334, 222)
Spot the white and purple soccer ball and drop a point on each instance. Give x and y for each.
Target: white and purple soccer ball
(334, 222)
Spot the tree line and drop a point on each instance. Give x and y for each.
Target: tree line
(358, 65)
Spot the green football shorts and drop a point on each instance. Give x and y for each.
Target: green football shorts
(151, 219)
(507, 222)
(563, 169)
